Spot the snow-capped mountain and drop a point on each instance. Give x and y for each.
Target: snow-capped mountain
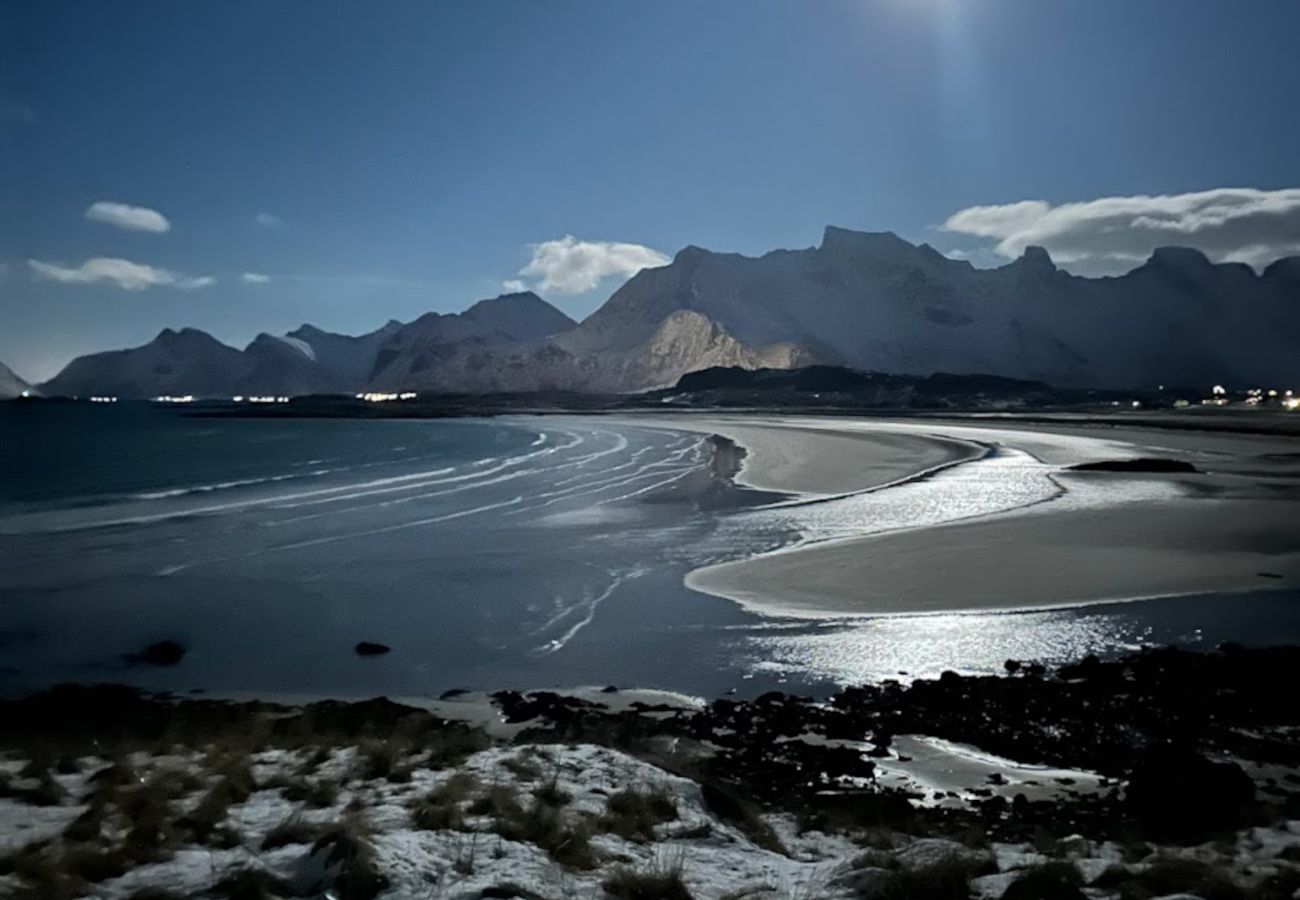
(864, 300)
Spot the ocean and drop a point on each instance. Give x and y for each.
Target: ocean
(527, 552)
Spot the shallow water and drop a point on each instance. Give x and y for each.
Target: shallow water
(530, 552)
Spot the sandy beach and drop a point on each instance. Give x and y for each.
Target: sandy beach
(821, 457)
(1229, 527)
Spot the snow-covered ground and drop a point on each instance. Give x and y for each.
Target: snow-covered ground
(549, 820)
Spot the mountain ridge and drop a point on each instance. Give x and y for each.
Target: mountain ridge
(11, 384)
(867, 300)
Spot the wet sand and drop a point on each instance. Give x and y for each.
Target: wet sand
(1233, 526)
(822, 457)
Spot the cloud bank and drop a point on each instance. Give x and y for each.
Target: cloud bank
(120, 273)
(254, 278)
(571, 266)
(1111, 235)
(132, 218)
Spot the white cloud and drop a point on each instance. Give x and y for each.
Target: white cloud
(514, 285)
(121, 273)
(132, 218)
(1111, 235)
(268, 220)
(571, 266)
(254, 278)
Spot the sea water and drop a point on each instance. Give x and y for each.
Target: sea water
(526, 552)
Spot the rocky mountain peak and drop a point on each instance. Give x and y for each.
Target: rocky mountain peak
(1037, 260)
(1179, 258)
(1287, 268)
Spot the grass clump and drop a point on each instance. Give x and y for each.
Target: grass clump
(93, 864)
(662, 881)
(551, 794)
(743, 814)
(87, 827)
(540, 823)
(349, 858)
(522, 766)
(322, 794)
(382, 760)
(452, 745)
(41, 876)
(633, 814)
(234, 784)
(500, 801)
(440, 809)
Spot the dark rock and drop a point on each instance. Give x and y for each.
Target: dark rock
(368, 648)
(609, 689)
(162, 653)
(1136, 465)
(453, 693)
(1052, 881)
(1177, 795)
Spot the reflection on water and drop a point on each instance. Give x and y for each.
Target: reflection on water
(906, 647)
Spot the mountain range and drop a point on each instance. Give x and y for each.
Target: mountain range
(869, 301)
(10, 384)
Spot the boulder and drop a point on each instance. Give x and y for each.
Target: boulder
(1181, 796)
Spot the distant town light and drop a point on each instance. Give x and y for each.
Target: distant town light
(383, 397)
(1218, 390)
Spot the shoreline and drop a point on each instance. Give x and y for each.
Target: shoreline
(813, 457)
(1232, 514)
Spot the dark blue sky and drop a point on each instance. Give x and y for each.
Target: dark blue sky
(406, 156)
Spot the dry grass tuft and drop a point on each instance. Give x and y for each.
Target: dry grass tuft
(663, 881)
(349, 859)
(632, 814)
(440, 810)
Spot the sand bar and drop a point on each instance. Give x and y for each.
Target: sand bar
(820, 456)
(1235, 527)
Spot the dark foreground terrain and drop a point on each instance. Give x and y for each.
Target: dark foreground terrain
(1186, 778)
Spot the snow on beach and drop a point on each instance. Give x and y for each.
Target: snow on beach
(549, 821)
